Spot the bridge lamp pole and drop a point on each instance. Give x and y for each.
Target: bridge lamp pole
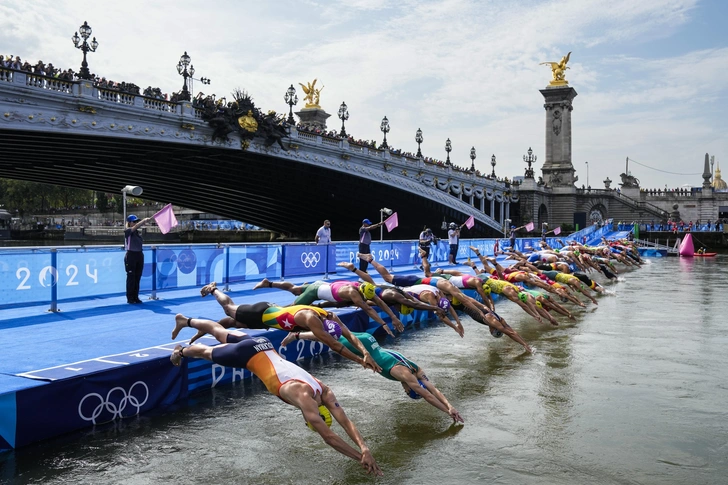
(419, 140)
(134, 190)
(531, 158)
(343, 116)
(184, 61)
(472, 160)
(492, 164)
(385, 129)
(85, 47)
(382, 212)
(291, 99)
(448, 149)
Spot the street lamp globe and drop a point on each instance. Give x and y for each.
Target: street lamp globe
(448, 149)
(419, 140)
(472, 159)
(492, 163)
(385, 129)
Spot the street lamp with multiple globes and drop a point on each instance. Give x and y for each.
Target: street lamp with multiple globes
(184, 61)
(419, 140)
(472, 160)
(492, 164)
(343, 116)
(531, 158)
(291, 98)
(385, 129)
(85, 47)
(448, 149)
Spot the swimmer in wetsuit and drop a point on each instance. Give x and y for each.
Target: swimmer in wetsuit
(395, 367)
(283, 379)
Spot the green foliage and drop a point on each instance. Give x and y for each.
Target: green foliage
(32, 197)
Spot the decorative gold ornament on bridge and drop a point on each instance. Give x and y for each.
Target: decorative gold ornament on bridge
(87, 109)
(313, 94)
(558, 70)
(248, 123)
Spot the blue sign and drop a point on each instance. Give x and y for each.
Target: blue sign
(305, 259)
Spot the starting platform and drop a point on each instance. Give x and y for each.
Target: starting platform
(98, 360)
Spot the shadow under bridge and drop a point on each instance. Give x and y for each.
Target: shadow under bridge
(278, 190)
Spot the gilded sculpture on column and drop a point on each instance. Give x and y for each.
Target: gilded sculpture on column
(313, 94)
(558, 70)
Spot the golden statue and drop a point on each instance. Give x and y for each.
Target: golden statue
(248, 123)
(313, 94)
(558, 69)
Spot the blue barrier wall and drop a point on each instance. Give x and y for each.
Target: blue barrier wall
(52, 275)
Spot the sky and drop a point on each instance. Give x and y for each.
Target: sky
(650, 74)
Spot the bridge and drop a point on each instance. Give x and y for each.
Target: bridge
(76, 134)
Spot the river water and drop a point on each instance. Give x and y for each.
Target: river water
(633, 392)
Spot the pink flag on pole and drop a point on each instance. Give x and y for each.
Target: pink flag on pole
(529, 226)
(470, 222)
(166, 219)
(391, 222)
(557, 231)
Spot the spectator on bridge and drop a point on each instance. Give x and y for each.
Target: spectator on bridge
(134, 258)
(365, 241)
(323, 235)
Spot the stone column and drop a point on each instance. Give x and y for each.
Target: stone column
(557, 168)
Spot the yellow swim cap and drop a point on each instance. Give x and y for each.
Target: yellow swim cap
(455, 301)
(486, 289)
(405, 310)
(324, 414)
(368, 290)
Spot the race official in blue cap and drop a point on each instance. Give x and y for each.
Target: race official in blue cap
(365, 240)
(134, 257)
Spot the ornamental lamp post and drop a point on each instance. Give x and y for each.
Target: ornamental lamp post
(492, 164)
(184, 61)
(343, 116)
(472, 160)
(85, 47)
(531, 158)
(419, 140)
(385, 129)
(448, 149)
(291, 98)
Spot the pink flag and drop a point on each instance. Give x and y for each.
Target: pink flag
(470, 222)
(557, 231)
(391, 222)
(166, 219)
(529, 226)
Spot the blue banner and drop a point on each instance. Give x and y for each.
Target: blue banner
(97, 399)
(305, 259)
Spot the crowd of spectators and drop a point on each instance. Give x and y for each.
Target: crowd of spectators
(49, 70)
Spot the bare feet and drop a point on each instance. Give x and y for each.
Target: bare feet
(349, 266)
(365, 257)
(180, 322)
(263, 284)
(207, 289)
(176, 357)
(475, 250)
(288, 339)
(423, 254)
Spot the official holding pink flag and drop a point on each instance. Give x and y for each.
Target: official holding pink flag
(134, 257)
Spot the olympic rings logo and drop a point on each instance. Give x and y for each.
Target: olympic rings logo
(310, 260)
(117, 400)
